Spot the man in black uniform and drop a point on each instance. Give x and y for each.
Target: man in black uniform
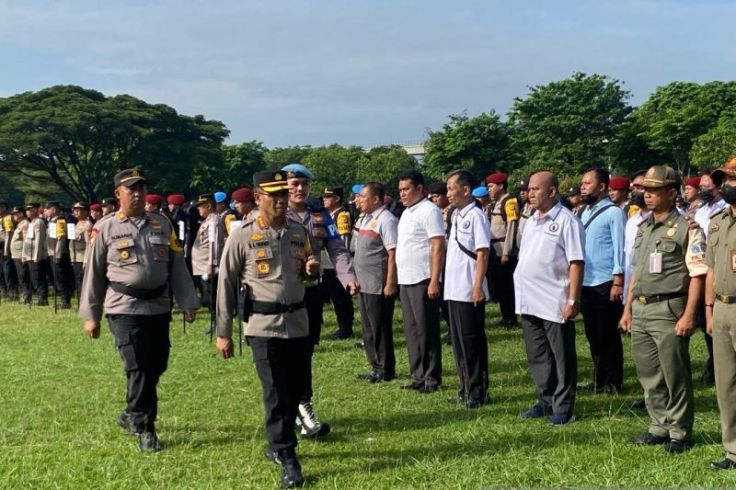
(58, 250)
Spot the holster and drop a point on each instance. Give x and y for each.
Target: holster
(245, 304)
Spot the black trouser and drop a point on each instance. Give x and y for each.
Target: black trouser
(422, 331)
(23, 273)
(470, 346)
(78, 268)
(341, 300)
(553, 364)
(502, 276)
(601, 317)
(708, 368)
(376, 315)
(63, 277)
(282, 366)
(314, 302)
(143, 344)
(39, 272)
(10, 279)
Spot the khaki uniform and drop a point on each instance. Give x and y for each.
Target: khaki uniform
(721, 257)
(661, 357)
(35, 254)
(78, 247)
(22, 271)
(57, 246)
(504, 218)
(207, 247)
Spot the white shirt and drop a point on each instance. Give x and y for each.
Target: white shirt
(417, 225)
(706, 212)
(548, 245)
(632, 228)
(470, 226)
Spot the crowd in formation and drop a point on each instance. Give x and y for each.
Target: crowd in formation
(648, 255)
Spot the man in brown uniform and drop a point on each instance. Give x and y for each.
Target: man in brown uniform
(271, 256)
(720, 309)
(79, 242)
(207, 247)
(8, 277)
(16, 253)
(133, 263)
(35, 253)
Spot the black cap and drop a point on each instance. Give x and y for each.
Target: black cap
(332, 190)
(53, 204)
(18, 209)
(205, 199)
(573, 191)
(523, 185)
(32, 205)
(109, 201)
(270, 181)
(437, 188)
(128, 177)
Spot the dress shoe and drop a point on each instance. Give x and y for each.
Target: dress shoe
(677, 446)
(148, 442)
(726, 464)
(427, 389)
(536, 412)
(561, 419)
(367, 376)
(414, 385)
(649, 439)
(124, 421)
(291, 472)
(340, 335)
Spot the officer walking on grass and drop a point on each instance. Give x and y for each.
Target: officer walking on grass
(133, 263)
(271, 256)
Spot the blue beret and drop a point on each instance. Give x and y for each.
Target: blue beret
(220, 196)
(357, 188)
(297, 170)
(481, 191)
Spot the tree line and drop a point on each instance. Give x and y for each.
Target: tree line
(67, 141)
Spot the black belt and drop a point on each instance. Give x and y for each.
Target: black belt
(497, 240)
(137, 293)
(647, 300)
(726, 299)
(266, 308)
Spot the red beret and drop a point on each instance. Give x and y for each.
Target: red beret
(95, 207)
(176, 199)
(153, 199)
(619, 183)
(497, 178)
(693, 181)
(243, 195)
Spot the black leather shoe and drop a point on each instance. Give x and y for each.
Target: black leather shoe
(426, 389)
(340, 335)
(291, 470)
(368, 377)
(677, 446)
(124, 421)
(148, 442)
(649, 439)
(414, 385)
(726, 464)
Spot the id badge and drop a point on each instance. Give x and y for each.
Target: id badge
(655, 263)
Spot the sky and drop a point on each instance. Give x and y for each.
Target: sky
(370, 72)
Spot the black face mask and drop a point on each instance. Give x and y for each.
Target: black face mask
(728, 192)
(637, 199)
(706, 195)
(588, 199)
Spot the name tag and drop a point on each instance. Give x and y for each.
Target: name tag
(52, 230)
(71, 230)
(655, 263)
(211, 232)
(31, 233)
(181, 231)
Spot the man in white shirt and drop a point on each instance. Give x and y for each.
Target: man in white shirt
(466, 289)
(420, 252)
(547, 283)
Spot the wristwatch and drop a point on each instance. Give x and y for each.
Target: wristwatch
(572, 302)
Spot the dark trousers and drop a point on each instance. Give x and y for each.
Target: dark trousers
(470, 346)
(10, 278)
(550, 352)
(314, 302)
(502, 278)
(708, 368)
(601, 317)
(376, 315)
(143, 344)
(422, 331)
(78, 270)
(63, 277)
(282, 366)
(341, 300)
(39, 272)
(23, 273)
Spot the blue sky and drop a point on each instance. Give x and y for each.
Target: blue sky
(355, 72)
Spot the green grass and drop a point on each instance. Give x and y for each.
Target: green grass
(60, 393)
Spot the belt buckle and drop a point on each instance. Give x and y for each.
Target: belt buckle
(725, 299)
(642, 300)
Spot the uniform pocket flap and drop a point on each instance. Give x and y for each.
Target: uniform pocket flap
(667, 246)
(124, 243)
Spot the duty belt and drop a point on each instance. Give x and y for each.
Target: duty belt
(726, 299)
(266, 308)
(647, 300)
(138, 293)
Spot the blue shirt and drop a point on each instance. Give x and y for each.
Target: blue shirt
(604, 243)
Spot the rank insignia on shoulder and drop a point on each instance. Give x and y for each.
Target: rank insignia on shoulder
(254, 237)
(261, 223)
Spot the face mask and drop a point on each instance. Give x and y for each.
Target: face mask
(706, 195)
(637, 198)
(729, 194)
(588, 199)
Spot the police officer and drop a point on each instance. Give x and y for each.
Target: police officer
(271, 256)
(245, 201)
(133, 263)
(108, 206)
(35, 254)
(22, 271)
(691, 194)
(207, 247)
(79, 242)
(720, 309)
(664, 292)
(58, 252)
(153, 203)
(227, 215)
(7, 269)
(95, 212)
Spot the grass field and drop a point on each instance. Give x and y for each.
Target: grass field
(60, 393)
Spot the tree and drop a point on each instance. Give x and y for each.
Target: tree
(675, 115)
(384, 164)
(278, 157)
(333, 165)
(239, 164)
(481, 144)
(714, 148)
(77, 139)
(568, 125)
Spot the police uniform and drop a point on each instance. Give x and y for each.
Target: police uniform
(22, 270)
(270, 264)
(721, 261)
(35, 254)
(667, 254)
(504, 218)
(58, 251)
(133, 264)
(78, 246)
(207, 249)
(7, 268)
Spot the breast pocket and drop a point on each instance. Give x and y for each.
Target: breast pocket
(160, 248)
(124, 252)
